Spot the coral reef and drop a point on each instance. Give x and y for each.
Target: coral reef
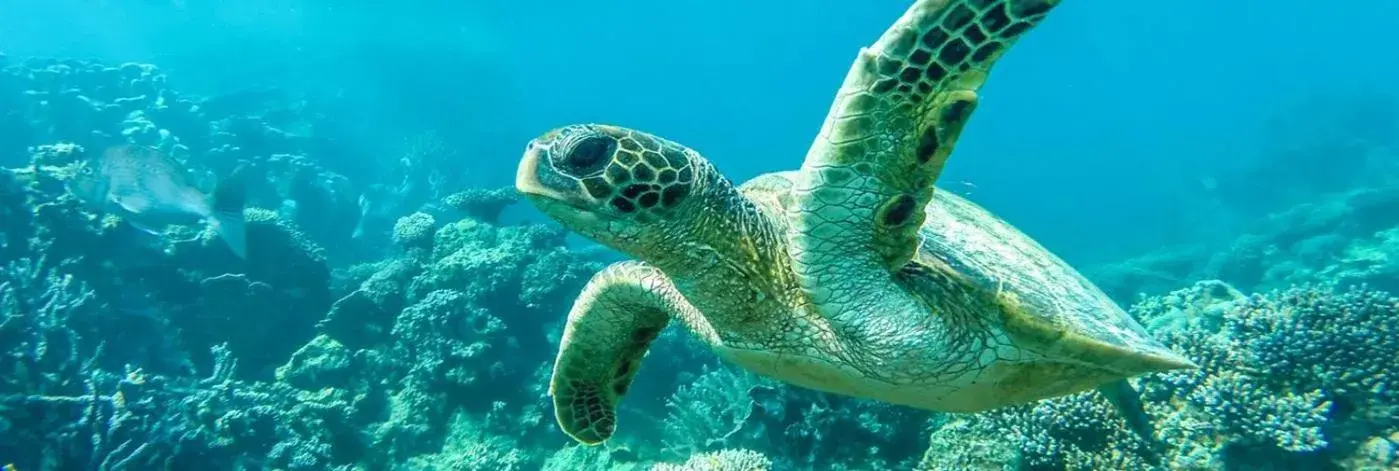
(386, 319)
(128, 351)
(723, 460)
(429, 333)
(1300, 376)
(92, 105)
(1351, 237)
(729, 408)
(133, 420)
(482, 204)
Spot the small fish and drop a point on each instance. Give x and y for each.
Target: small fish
(963, 187)
(150, 191)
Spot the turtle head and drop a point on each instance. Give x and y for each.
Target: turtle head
(611, 184)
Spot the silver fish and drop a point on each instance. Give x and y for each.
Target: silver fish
(150, 190)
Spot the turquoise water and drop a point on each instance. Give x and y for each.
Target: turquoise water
(1223, 171)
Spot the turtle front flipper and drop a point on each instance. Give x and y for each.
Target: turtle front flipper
(860, 195)
(611, 326)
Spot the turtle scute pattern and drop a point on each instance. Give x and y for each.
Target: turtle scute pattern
(1052, 301)
(895, 122)
(612, 324)
(635, 173)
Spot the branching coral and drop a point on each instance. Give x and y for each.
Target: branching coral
(139, 421)
(416, 340)
(722, 460)
(15, 225)
(1344, 342)
(41, 313)
(1303, 375)
(470, 447)
(726, 408)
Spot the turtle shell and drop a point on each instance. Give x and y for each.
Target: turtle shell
(1044, 299)
(1040, 299)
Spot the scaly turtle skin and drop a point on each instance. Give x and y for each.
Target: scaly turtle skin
(829, 277)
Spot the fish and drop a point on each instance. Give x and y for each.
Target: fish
(963, 187)
(151, 191)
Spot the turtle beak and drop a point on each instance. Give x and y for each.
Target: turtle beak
(540, 183)
(563, 206)
(527, 180)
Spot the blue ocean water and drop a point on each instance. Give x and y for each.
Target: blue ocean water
(1228, 173)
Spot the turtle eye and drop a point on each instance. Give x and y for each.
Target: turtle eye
(588, 156)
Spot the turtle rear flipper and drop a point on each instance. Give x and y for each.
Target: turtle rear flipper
(609, 330)
(1128, 403)
(869, 174)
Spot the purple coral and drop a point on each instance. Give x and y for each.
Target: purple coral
(1345, 342)
(1303, 375)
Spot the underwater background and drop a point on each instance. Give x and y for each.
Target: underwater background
(1228, 170)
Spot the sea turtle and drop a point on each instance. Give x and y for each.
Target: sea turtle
(828, 277)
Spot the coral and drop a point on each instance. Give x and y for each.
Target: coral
(1347, 237)
(91, 105)
(1372, 261)
(1245, 408)
(727, 408)
(468, 448)
(1152, 273)
(707, 413)
(525, 266)
(138, 421)
(574, 457)
(962, 443)
(450, 340)
(284, 283)
(1301, 376)
(363, 317)
(424, 169)
(323, 362)
(119, 347)
(43, 319)
(86, 102)
(722, 460)
(482, 204)
(427, 333)
(415, 231)
(16, 226)
(56, 155)
(1376, 454)
(1080, 433)
(1341, 344)
(321, 202)
(293, 429)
